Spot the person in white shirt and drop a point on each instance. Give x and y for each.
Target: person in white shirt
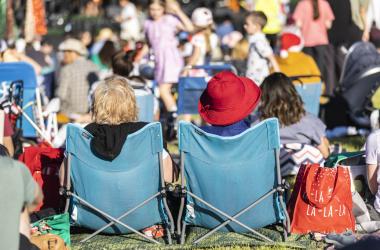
(130, 26)
(260, 57)
(203, 41)
(373, 175)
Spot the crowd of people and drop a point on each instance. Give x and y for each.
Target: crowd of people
(97, 77)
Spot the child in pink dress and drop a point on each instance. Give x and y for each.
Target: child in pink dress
(161, 31)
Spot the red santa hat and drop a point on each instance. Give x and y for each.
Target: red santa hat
(291, 40)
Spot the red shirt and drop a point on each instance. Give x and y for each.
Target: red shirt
(8, 130)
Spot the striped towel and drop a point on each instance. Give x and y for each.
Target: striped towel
(292, 155)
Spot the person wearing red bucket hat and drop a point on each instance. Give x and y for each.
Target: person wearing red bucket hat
(226, 102)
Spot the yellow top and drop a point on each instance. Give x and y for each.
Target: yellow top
(298, 63)
(271, 9)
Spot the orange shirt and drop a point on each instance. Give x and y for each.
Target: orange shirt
(298, 63)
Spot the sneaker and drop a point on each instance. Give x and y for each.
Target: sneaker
(341, 240)
(155, 231)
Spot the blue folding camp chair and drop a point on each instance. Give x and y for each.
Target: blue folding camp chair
(309, 92)
(191, 88)
(21, 71)
(120, 196)
(231, 183)
(145, 103)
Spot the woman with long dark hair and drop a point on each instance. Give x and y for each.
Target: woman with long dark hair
(279, 98)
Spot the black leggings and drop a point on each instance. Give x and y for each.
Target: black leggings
(324, 57)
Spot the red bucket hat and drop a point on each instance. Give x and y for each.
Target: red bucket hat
(228, 98)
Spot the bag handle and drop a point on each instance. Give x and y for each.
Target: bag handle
(310, 178)
(355, 154)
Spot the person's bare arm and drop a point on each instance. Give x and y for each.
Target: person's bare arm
(328, 24)
(274, 63)
(62, 173)
(369, 18)
(372, 177)
(8, 143)
(363, 15)
(169, 175)
(186, 24)
(194, 56)
(299, 23)
(324, 147)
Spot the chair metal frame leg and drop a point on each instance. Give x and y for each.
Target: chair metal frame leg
(228, 216)
(281, 197)
(183, 232)
(180, 231)
(121, 217)
(163, 193)
(170, 231)
(286, 222)
(180, 213)
(169, 234)
(111, 218)
(236, 216)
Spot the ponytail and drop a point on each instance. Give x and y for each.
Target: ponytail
(315, 9)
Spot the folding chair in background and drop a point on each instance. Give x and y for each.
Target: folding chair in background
(23, 72)
(190, 88)
(145, 103)
(232, 183)
(309, 92)
(120, 196)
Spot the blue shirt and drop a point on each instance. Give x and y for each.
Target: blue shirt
(229, 130)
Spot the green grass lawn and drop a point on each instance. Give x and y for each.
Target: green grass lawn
(217, 241)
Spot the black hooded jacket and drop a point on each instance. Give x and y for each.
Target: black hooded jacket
(108, 140)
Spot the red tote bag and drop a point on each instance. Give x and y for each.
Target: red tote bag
(43, 163)
(321, 200)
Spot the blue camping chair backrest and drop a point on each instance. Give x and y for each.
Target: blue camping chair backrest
(22, 71)
(310, 94)
(231, 173)
(117, 186)
(145, 103)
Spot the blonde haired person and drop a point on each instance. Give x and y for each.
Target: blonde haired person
(114, 115)
(114, 102)
(203, 41)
